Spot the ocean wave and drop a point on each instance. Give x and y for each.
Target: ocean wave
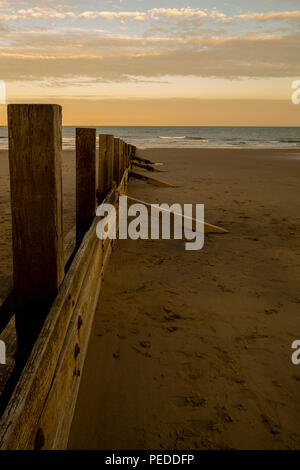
(172, 138)
(196, 138)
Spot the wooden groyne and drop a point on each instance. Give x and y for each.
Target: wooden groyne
(46, 319)
(47, 315)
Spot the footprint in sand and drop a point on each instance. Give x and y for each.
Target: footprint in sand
(194, 401)
(170, 329)
(272, 427)
(144, 345)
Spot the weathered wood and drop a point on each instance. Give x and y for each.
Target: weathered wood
(18, 424)
(6, 306)
(122, 167)
(133, 151)
(85, 180)
(102, 168)
(61, 400)
(110, 160)
(44, 372)
(149, 180)
(208, 228)
(144, 160)
(9, 336)
(105, 171)
(147, 167)
(127, 155)
(117, 161)
(36, 200)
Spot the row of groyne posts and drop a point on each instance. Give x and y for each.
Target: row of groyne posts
(40, 260)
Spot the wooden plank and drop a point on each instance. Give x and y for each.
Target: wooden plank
(85, 180)
(19, 427)
(102, 168)
(144, 160)
(9, 336)
(18, 424)
(110, 160)
(34, 133)
(146, 167)
(105, 169)
(117, 161)
(57, 415)
(208, 228)
(149, 180)
(133, 151)
(61, 399)
(122, 169)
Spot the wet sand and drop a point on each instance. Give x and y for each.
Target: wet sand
(192, 350)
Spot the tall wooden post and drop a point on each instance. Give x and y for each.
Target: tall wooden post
(102, 169)
(35, 137)
(106, 157)
(122, 157)
(126, 154)
(134, 151)
(85, 180)
(110, 159)
(116, 165)
(121, 160)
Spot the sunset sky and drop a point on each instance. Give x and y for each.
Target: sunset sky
(136, 62)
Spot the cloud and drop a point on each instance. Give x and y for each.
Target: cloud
(115, 58)
(271, 15)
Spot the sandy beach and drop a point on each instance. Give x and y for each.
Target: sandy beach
(192, 350)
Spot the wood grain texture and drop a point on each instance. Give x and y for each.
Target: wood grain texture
(36, 202)
(110, 160)
(117, 161)
(40, 411)
(85, 180)
(18, 424)
(146, 167)
(149, 180)
(102, 168)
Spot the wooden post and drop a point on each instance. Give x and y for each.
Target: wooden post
(133, 151)
(126, 155)
(110, 159)
(102, 169)
(37, 227)
(85, 180)
(122, 157)
(117, 161)
(121, 160)
(106, 157)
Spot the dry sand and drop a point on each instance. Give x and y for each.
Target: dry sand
(192, 350)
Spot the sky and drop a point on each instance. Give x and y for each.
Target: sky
(136, 62)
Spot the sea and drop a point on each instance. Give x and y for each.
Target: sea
(192, 137)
